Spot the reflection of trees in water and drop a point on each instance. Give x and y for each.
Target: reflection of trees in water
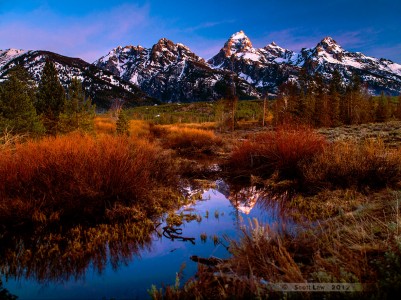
(64, 254)
(5, 294)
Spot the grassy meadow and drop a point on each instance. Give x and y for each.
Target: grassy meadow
(342, 186)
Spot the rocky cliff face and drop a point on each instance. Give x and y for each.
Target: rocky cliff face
(268, 67)
(101, 85)
(172, 72)
(263, 68)
(378, 74)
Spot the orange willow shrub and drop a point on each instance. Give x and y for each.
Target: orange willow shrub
(79, 175)
(281, 150)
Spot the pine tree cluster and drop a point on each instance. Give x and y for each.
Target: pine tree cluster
(327, 104)
(27, 109)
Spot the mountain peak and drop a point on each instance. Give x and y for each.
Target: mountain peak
(273, 45)
(9, 54)
(164, 41)
(328, 40)
(238, 35)
(238, 42)
(330, 45)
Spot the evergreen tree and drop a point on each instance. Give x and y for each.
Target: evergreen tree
(286, 107)
(353, 100)
(382, 110)
(304, 80)
(397, 112)
(321, 113)
(334, 97)
(122, 123)
(50, 98)
(366, 106)
(17, 111)
(226, 110)
(78, 112)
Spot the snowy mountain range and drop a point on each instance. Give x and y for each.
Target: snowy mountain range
(101, 85)
(272, 65)
(172, 72)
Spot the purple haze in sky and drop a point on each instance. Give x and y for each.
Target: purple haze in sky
(89, 29)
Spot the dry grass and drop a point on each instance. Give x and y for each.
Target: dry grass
(281, 150)
(187, 139)
(388, 132)
(139, 129)
(262, 253)
(326, 204)
(204, 125)
(8, 140)
(351, 164)
(363, 246)
(78, 175)
(352, 245)
(304, 155)
(105, 125)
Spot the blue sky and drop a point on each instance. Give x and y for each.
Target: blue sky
(89, 29)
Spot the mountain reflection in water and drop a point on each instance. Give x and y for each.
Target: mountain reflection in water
(124, 260)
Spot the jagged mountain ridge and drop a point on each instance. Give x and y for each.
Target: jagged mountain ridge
(266, 68)
(101, 85)
(171, 72)
(380, 75)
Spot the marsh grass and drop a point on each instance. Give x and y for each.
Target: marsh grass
(262, 252)
(140, 129)
(105, 124)
(311, 164)
(187, 140)
(361, 246)
(370, 164)
(281, 150)
(78, 176)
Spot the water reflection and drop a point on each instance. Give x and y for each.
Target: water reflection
(138, 254)
(60, 255)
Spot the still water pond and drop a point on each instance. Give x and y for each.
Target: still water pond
(217, 216)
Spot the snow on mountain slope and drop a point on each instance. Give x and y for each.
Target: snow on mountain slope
(169, 72)
(265, 68)
(379, 74)
(172, 72)
(102, 86)
(268, 67)
(8, 55)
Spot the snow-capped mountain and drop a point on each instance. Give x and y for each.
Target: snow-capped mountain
(266, 68)
(103, 86)
(379, 74)
(239, 47)
(171, 72)
(8, 55)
